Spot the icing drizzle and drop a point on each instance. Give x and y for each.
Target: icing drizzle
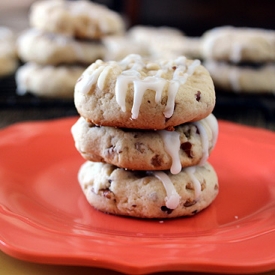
(197, 186)
(171, 140)
(173, 198)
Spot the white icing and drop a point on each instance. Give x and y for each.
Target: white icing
(172, 92)
(193, 66)
(236, 53)
(171, 141)
(213, 124)
(173, 198)
(121, 87)
(197, 186)
(140, 87)
(233, 76)
(204, 141)
(102, 77)
(87, 80)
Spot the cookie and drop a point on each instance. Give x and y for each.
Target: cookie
(176, 46)
(239, 44)
(143, 94)
(47, 81)
(81, 19)
(53, 49)
(119, 46)
(164, 41)
(8, 57)
(242, 78)
(145, 35)
(151, 194)
(189, 144)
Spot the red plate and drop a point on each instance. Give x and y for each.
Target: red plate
(45, 218)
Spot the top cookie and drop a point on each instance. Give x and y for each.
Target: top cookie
(145, 94)
(239, 44)
(81, 19)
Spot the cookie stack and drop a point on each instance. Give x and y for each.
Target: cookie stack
(64, 38)
(240, 59)
(146, 130)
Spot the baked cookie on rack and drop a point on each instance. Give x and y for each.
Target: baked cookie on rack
(47, 48)
(80, 19)
(247, 79)
(8, 56)
(236, 45)
(47, 81)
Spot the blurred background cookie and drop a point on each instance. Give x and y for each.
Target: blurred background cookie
(240, 59)
(66, 33)
(34, 45)
(238, 45)
(81, 19)
(8, 55)
(248, 79)
(47, 81)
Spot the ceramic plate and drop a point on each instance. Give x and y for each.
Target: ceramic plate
(45, 217)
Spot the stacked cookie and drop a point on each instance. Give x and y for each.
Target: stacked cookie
(146, 130)
(240, 59)
(64, 38)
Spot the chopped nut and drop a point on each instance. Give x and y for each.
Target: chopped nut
(189, 203)
(186, 147)
(166, 209)
(198, 95)
(156, 161)
(140, 147)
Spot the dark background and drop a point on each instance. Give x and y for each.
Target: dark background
(193, 17)
(196, 16)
